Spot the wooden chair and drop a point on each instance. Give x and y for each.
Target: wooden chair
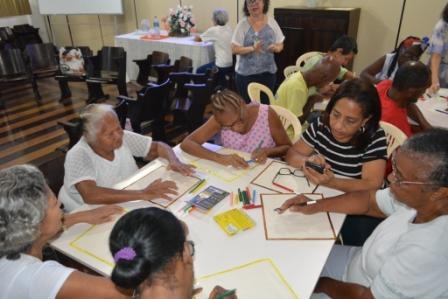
(290, 69)
(199, 95)
(42, 60)
(290, 122)
(122, 111)
(73, 128)
(183, 64)
(53, 170)
(64, 77)
(152, 105)
(394, 137)
(255, 89)
(146, 67)
(301, 61)
(108, 67)
(14, 72)
(26, 34)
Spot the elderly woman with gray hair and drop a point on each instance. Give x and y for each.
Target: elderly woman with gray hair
(30, 216)
(406, 255)
(220, 35)
(104, 156)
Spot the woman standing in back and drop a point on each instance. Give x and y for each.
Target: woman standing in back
(255, 40)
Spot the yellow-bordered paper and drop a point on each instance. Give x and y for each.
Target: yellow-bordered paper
(294, 225)
(258, 279)
(227, 174)
(96, 234)
(184, 183)
(268, 178)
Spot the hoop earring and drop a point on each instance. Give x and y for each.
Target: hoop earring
(362, 129)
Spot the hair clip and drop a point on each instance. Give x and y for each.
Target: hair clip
(125, 253)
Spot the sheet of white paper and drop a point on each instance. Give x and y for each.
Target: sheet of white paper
(296, 184)
(259, 279)
(184, 183)
(294, 225)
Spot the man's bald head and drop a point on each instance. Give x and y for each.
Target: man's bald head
(323, 73)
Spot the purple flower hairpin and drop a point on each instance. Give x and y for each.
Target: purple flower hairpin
(125, 253)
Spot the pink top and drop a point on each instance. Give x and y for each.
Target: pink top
(250, 141)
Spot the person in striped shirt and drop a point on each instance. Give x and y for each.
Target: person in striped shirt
(347, 141)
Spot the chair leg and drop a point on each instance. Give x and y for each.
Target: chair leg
(95, 91)
(122, 89)
(136, 126)
(65, 90)
(37, 95)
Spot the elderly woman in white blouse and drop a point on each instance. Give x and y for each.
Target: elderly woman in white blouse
(104, 156)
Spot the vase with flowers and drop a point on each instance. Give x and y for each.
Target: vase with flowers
(180, 20)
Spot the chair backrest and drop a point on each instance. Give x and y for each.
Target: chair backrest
(290, 69)
(73, 129)
(289, 121)
(255, 89)
(301, 61)
(122, 111)
(12, 63)
(394, 137)
(42, 56)
(109, 58)
(158, 57)
(200, 97)
(183, 64)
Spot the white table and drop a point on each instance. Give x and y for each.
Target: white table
(136, 48)
(299, 261)
(431, 108)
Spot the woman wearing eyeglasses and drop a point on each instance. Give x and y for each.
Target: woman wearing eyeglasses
(153, 256)
(350, 145)
(256, 38)
(406, 255)
(253, 128)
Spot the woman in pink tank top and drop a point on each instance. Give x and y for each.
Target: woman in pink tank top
(253, 128)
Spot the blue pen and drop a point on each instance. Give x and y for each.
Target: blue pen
(258, 147)
(254, 193)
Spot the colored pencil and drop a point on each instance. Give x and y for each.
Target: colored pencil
(226, 294)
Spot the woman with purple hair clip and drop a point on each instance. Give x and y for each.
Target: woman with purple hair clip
(153, 256)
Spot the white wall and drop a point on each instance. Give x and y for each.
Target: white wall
(377, 31)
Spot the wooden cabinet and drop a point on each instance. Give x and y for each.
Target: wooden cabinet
(312, 29)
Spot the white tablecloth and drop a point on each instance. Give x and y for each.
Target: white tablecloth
(434, 108)
(137, 48)
(299, 261)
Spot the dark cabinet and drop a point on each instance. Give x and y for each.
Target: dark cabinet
(312, 29)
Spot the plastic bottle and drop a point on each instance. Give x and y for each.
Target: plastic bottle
(156, 27)
(144, 25)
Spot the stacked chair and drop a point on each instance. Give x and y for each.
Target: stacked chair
(107, 67)
(146, 67)
(15, 72)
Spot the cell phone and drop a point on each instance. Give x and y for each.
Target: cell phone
(317, 167)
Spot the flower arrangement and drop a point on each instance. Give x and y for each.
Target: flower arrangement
(180, 20)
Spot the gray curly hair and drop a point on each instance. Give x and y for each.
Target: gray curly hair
(23, 203)
(220, 17)
(91, 117)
